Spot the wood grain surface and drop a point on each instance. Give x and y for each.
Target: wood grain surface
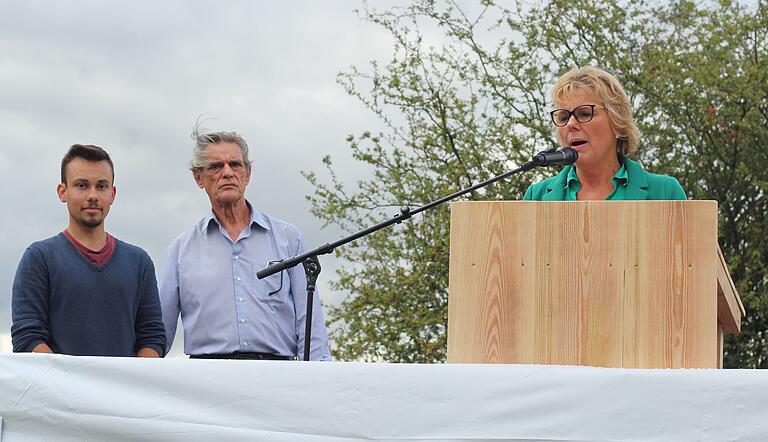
(601, 283)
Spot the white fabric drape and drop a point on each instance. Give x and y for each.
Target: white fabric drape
(63, 398)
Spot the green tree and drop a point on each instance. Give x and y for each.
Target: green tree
(465, 97)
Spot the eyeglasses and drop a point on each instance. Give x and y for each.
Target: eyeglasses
(582, 114)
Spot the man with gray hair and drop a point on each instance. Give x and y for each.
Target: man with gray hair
(209, 271)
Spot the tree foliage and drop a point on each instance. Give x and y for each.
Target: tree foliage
(465, 96)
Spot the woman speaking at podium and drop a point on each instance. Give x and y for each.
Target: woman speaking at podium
(594, 117)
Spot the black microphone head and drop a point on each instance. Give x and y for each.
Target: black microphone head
(569, 155)
(565, 155)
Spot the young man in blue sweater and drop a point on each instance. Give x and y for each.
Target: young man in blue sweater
(83, 292)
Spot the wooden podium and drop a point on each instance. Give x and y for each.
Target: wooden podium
(634, 284)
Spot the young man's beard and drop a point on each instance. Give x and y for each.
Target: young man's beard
(90, 222)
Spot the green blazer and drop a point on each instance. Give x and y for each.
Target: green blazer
(631, 182)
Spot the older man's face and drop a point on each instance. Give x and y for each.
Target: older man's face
(224, 175)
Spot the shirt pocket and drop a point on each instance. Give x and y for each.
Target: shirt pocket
(273, 288)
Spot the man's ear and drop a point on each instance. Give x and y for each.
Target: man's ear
(61, 190)
(248, 175)
(198, 175)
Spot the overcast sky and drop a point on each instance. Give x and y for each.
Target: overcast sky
(133, 77)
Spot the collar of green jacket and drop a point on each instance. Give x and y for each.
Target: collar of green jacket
(634, 177)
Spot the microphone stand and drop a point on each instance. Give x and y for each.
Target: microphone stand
(312, 264)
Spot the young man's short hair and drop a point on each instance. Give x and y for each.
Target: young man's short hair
(88, 152)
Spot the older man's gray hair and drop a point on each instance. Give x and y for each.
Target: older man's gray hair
(203, 140)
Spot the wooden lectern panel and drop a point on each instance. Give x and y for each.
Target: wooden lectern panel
(601, 283)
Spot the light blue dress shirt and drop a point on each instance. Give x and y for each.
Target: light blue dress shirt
(224, 307)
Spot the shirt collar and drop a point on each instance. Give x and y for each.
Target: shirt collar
(620, 176)
(256, 217)
(571, 179)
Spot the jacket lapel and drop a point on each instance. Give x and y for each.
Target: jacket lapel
(556, 189)
(637, 184)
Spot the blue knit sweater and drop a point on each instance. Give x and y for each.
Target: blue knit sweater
(78, 308)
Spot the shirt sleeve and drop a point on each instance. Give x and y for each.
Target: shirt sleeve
(149, 328)
(168, 281)
(319, 350)
(29, 302)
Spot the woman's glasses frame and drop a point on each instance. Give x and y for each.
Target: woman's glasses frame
(583, 114)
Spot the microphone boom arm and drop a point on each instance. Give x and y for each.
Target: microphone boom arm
(312, 264)
(567, 157)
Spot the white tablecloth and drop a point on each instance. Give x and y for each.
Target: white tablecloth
(66, 398)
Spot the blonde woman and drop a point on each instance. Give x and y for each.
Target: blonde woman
(594, 117)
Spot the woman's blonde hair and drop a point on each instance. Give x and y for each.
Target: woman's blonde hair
(607, 89)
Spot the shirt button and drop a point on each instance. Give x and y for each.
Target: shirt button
(238, 278)
(237, 257)
(240, 299)
(245, 343)
(242, 321)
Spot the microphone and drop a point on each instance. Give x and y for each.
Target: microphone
(552, 157)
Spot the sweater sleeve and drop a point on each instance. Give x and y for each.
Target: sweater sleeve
(149, 328)
(29, 302)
